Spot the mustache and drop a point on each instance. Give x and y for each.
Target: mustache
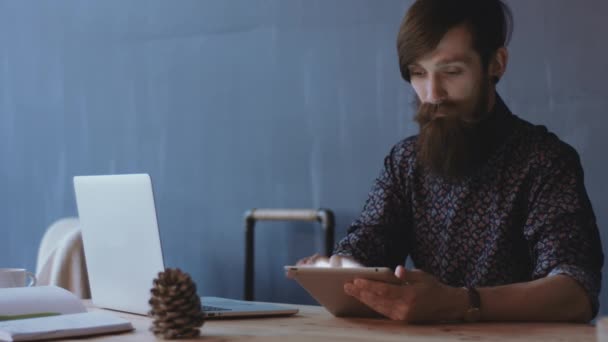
(427, 114)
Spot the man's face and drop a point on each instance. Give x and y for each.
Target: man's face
(452, 91)
(450, 76)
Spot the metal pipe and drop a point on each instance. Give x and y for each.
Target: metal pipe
(324, 216)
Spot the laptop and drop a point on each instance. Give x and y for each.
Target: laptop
(123, 252)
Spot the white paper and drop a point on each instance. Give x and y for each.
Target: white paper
(87, 323)
(17, 301)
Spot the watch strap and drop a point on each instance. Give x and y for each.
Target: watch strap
(473, 313)
(474, 298)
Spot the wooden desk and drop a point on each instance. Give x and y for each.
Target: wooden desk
(314, 323)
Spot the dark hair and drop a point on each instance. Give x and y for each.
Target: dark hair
(427, 21)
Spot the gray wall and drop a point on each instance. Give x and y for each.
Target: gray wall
(235, 104)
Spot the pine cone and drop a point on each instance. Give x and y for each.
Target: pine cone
(176, 308)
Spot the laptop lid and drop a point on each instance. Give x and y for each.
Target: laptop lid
(123, 249)
(120, 235)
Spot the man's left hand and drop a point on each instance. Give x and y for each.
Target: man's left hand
(422, 298)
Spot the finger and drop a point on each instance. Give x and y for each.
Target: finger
(371, 286)
(413, 275)
(302, 261)
(400, 272)
(312, 259)
(393, 304)
(308, 260)
(335, 261)
(381, 304)
(351, 290)
(321, 261)
(379, 288)
(350, 262)
(289, 274)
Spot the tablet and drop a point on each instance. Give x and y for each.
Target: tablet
(326, 286)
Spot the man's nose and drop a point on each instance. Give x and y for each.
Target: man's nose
(435, 93)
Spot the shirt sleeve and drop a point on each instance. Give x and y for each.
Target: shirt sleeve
(561, 228)
(378, 237)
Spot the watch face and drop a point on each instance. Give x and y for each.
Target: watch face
(472, 315)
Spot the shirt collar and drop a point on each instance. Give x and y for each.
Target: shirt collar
(497, 126)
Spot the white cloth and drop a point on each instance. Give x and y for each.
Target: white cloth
(61, 260)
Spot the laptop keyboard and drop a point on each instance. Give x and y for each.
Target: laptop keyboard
(214, 308)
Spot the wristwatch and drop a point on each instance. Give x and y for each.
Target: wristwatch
(473, 313)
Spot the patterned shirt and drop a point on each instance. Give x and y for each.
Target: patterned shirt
(523, 214)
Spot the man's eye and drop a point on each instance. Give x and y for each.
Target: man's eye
(416, 73)
(453, 72)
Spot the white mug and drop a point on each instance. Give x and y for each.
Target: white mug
(15, 277)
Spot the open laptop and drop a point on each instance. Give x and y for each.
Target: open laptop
(123, 250)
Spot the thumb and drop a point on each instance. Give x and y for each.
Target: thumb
(335, 261)
(411, 276)
(400, 272)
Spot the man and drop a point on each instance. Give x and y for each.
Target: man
(492, 209)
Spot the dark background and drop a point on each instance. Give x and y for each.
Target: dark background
(237, 104)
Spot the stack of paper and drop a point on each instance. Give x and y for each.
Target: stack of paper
(45, 312)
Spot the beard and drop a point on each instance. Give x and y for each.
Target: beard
(451, 145)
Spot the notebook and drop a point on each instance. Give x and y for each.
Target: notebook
(62, 326)
(50, 312)
(123, 252)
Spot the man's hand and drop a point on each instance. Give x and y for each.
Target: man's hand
(317, 260)
(422, 298)
(333, 261)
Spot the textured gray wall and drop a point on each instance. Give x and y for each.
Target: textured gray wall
(235, 104)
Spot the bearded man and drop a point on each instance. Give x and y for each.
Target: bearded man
(491, 209)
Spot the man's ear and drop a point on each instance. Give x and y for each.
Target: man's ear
(498, 66)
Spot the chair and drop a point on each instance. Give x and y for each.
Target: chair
(61, 260)
(324, 216)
